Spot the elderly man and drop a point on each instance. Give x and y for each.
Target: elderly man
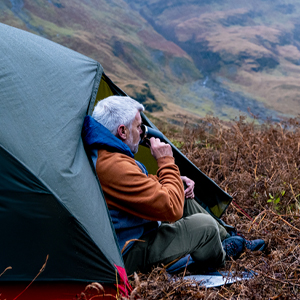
(155, 219)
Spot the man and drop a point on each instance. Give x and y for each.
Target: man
(155, 219)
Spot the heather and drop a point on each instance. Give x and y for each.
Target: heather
(258, 164)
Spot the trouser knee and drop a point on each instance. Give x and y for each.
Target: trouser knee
(205, 237)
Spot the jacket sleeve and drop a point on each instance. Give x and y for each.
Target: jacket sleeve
(156, 198)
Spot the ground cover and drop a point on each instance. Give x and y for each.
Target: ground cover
(259, 165)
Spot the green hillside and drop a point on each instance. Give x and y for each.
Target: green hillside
(130, 50)
(248, 49)
(182, 58)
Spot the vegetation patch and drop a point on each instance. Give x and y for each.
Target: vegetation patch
(143, 94)
(259, 165)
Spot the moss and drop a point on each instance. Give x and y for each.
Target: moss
(182, 67)
(153, 107)
(50, 28)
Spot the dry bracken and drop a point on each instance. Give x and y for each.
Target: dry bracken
(259, 165)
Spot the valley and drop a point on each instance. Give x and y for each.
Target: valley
(224, 58)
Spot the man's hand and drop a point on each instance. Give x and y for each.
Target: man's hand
(159, 148)
(189, 192)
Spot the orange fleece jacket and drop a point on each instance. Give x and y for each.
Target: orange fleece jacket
(127, 188)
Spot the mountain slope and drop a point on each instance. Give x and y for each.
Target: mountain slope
(252, 48)
(130, 50)
(182, 57)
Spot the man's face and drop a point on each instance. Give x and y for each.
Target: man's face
(135, 134)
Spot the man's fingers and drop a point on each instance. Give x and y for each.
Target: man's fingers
(189, 195)
(159, 148)
(189, 189)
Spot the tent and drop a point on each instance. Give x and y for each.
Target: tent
(51, 204)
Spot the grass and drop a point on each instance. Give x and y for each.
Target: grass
(259, 165)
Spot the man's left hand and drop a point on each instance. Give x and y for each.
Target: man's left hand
(189, 192)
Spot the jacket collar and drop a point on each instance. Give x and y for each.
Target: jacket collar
(96, 136)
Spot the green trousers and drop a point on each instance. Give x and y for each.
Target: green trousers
(197, 233)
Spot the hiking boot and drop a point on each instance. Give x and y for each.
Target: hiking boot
(255, 245)
(233, 246)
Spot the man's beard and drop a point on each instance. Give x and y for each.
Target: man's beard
(133, 147)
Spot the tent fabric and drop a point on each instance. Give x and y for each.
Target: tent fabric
(51, 202)
(47, 186)
(49, 223)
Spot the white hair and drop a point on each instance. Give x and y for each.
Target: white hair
(114, 111)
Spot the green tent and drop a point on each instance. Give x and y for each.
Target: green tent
(51, 203)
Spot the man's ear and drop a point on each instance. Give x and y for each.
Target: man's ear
(122, 132)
